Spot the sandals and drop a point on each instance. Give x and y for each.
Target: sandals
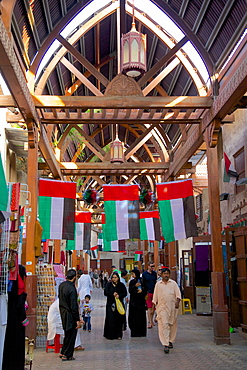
(79, 348)
(150, 326)
(64, 358)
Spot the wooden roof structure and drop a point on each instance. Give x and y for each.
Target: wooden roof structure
(61, 62)
(72, 103)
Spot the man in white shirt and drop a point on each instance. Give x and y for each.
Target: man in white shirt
(166, 299)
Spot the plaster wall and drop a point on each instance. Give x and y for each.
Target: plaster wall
(234, 138)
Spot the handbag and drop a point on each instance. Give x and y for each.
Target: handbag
(120, 307)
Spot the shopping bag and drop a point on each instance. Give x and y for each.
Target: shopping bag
(120, 306)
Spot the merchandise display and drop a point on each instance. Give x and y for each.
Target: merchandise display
(45, 297)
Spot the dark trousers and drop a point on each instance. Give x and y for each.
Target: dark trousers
(87, 321)
(69, 343)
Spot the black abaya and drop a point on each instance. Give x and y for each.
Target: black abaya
(114, 322)
(137, 311)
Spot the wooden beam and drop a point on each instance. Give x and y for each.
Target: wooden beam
(77, 83)
(15, 79)
(83, 61)
(162, 61)
(49, 155)
(81, 77)
(232, 92)
(122, 102)
(7, 101)
(114, 121)
(138, 142)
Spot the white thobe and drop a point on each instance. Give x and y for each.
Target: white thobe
(165, 297)
(55, 323)
(85, 286)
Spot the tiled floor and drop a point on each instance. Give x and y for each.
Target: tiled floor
(194, 348)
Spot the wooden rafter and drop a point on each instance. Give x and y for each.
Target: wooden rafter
(126, 102)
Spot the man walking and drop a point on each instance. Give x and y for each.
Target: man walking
(166, 299)
(69, 312)
(149, 280)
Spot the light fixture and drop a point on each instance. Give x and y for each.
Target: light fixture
(116, 150)
(133, 58)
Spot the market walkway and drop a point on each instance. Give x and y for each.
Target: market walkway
(194, 348)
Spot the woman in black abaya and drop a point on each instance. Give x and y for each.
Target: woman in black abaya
(137, 306)
(114, 322)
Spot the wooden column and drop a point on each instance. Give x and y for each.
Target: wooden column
(220, 309)
(145, 254)
(156, 253)
(31, 280)
(172, 258)
(57, 251)
(74, 259)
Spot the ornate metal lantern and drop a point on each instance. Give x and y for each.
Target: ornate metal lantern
(133, 61)
(116, 151)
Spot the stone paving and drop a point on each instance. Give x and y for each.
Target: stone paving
(194, 348)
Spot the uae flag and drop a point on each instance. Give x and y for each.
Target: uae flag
(150, 225)
(114, 245)
(57, 209)
(82, 232)
(177, 210)
(138, 256)
(230, 175)
(100, 241)
(121, 204)
(94, 251)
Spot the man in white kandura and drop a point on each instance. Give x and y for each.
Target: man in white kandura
(55, 325)
(85, 286)
(166, 299)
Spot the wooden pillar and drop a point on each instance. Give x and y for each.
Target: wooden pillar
(220, 310)
(31, 280)
(74, 259)
(145, 254)
(156, 253)
(57, 251)
(172, 258)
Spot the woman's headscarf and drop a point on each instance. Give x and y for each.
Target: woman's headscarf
(137, 274)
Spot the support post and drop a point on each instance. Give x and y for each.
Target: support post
(57, 251)
(31, 280)
(156, 253)
(220, 309)
(172, 258)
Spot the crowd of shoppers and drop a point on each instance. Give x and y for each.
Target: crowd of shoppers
(148, 293)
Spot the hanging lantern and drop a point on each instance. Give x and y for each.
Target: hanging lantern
(116, 151)
(133, 43)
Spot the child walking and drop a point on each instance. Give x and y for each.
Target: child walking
(85, 309)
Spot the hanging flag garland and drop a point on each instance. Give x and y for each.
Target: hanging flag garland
(90, 196)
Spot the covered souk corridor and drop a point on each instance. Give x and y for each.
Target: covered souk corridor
(193, 349)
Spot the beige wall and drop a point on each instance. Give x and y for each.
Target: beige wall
(234, 137)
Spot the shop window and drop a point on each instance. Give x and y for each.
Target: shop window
(239, 159)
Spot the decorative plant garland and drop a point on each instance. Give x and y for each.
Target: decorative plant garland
(146, 197)
(90, 196)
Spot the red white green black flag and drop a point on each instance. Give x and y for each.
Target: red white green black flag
(122, 212)
(82, 238)
(57, 209)
(177, 210)
(150, 225)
